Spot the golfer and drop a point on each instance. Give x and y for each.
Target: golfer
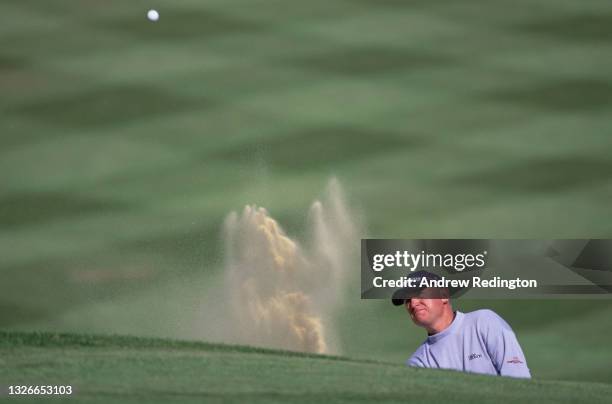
(477, 342)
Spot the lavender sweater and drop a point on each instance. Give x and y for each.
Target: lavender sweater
(477, 342)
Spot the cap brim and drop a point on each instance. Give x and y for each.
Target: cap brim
(398, 302)
(400, 296)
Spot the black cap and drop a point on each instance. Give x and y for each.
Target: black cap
(401, 295)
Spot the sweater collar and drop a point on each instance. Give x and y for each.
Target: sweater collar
(431, 339)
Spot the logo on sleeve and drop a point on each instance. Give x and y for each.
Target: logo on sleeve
(474, 356)
(515, 360)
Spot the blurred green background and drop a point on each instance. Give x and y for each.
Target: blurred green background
(125, 143)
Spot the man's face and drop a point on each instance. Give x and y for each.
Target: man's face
(425, 310)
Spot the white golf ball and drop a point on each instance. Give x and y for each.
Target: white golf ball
(152, 15)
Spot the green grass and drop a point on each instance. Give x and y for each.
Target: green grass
(130, 369)
(123, 145)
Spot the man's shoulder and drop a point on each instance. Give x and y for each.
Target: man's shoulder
(418, 357)
(484, 318)
(420, 350)
(481, 314)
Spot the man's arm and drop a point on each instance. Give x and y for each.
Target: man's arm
(416, 360)
(503, 347)
(415, 363)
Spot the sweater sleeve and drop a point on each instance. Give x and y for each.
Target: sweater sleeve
(415, 363)
(503, 347)
(417, 359)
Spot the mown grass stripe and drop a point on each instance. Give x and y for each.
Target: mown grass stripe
(10, 339)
